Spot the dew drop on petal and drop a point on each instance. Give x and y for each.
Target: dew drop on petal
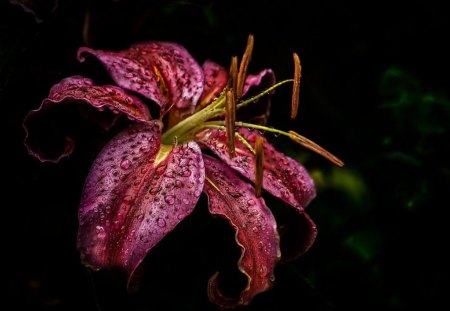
(160, 170)
(125, 164)
(251, 202)
(161, 222)
(170, 199)
(186, 173)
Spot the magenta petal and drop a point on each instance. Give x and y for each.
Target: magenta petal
(284, 177)
(255, 84)
(233, 199)
(264, 79)
(161, 71)
(129, 203)
(39, 124)
(216, 78)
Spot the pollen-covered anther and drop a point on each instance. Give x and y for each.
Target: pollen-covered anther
(296, 86)
(233, 79)
(309, 144)
(230, 120)
(259, 168)
(243, 66)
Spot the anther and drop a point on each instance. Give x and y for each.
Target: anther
(259, 168)
(309, 144)
(296, 85)
(243, 66)
(230, 120)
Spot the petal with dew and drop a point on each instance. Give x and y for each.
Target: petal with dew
(283, 177)
(161, 71)
(43, 123)
(254, 84)
(133, 197)
(235, 200)
(216, 78)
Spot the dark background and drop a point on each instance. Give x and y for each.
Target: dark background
(374, 92)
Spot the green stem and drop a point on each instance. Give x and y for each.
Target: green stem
(256, 97)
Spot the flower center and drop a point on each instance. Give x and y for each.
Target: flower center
(221, 112)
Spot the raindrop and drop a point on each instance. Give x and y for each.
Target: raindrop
(178, 183)
(197, 193)
(186, 173)
(185, 201)
(161, 222)
(251, 202)
(243, 208)
(125, 164)
(170, 199)
(160, 170)
(100, 232)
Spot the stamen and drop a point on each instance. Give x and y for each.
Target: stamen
(305, 142)
(230, 120)
(244, 65)
(296, 85)
(259, 169)
(232, 82)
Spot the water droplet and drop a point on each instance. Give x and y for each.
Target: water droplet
(185, 201)
(180, 216)
(160, 170)
(261, 245)
(262, 271)
(178, 183)
(251, 202)
(100, 232)
(170, 199)
(145, 149)
(186, 173)
(153, 191)
(125, 164)
(161, 222)
(197, 193)
(243, 208)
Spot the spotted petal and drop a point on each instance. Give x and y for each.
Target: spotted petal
(216, 78)
(161, 71)
(42, 123)
(233, 199)
(133, 197)
(284, 177)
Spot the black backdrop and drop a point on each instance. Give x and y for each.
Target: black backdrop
(374, 92)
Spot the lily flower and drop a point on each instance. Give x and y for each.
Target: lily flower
(150, 176)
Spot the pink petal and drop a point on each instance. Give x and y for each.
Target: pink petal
(129, 203)
(284, 177)
(81, 90)
(161, 71)
(255, 84)
(265, 77)
(256, 233)
(216, 78)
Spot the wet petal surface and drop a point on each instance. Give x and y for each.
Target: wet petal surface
(284, 177)
(161, 71)
(233, 199)
(41, 124)
(133, 197)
